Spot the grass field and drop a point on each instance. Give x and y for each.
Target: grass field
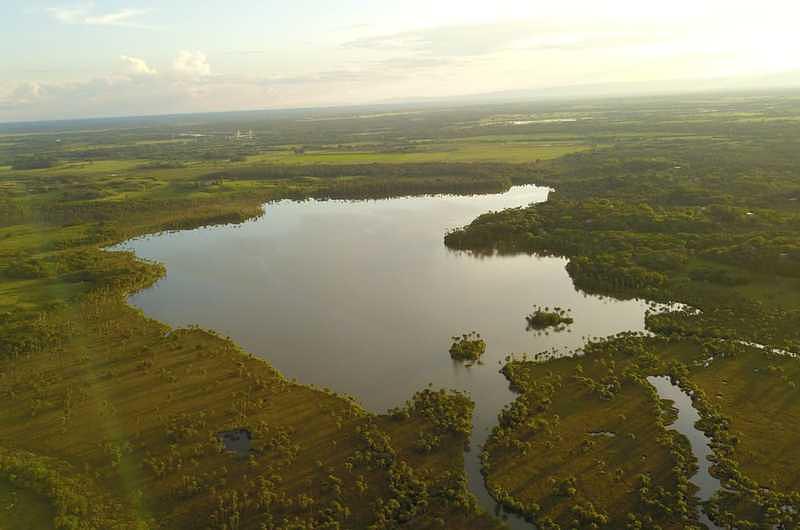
(760, 397)
(594, 422)
(22, 510)
(457, 151)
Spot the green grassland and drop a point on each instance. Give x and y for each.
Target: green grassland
(586, 443)
(20, 509)
(759, 396)
(461, 151)
(593, 424)
(111, 419)
(139, 410)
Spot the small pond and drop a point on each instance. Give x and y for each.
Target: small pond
(237, 441)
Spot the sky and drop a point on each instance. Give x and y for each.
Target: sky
(64, 59)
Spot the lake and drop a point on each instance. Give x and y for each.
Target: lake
(363, 297)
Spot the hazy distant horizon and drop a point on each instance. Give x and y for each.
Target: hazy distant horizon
(78, 59)
(549, 95)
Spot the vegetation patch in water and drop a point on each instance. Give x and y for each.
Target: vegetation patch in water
(468, 347)
(543, 318)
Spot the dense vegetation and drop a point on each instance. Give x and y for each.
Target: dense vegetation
(708, 221)
(543, 318)
(111, 420)
(467, 347)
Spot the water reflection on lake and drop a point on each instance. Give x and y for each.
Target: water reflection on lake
(363, 297)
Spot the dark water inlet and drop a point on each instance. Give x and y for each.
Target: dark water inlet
(362, 297)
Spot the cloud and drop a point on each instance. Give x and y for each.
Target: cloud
(172, 92)
(246, 52)
(110, 96)
(483, 39)
(365, 72)
(192, 63)
(137, 66)
(191, 86)
(118, 18)
(86, 14)
(68, 15)
(26, 93)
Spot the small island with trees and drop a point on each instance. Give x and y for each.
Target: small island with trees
(467, 347)
(543, 318)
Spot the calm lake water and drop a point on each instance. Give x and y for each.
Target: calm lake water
(362, 297)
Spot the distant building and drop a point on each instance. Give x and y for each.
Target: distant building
(240, 135)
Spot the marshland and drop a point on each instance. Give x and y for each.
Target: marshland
(159, 289)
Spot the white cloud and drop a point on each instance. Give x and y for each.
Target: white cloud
(483, 39)
(27, 92)
(125, 96)
(86, 14)
(118, 18)
(192, 63)
(137, 66)
(68, 15)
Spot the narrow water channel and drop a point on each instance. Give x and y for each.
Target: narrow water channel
(362, 297)
(700, 443)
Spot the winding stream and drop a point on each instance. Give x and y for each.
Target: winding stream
(362, 297)
(700, 443)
